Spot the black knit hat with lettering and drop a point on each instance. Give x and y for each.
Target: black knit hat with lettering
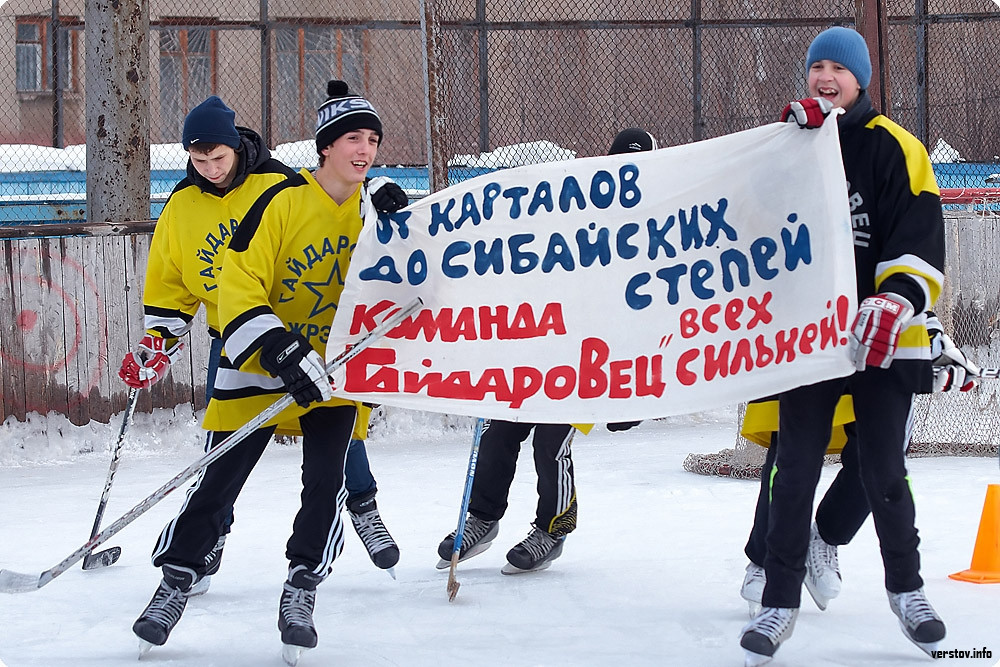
(343, 112)
(632, 140)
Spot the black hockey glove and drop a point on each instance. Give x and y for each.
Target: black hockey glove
(388, 197)
(289, 356)
(622, 426)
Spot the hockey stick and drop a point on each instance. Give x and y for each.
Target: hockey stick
(989, 373)
(469, 477)
(15, 582)
(92, 561)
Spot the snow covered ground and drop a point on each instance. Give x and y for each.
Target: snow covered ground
(650, 577)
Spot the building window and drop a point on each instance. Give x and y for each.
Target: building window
(34, 55)
(307, 57)
(187, 74)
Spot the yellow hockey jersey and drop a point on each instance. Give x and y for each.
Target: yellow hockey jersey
(284, 268)
(191, 235)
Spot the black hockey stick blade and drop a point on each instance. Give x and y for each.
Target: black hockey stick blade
(102, 558)
(16, 582)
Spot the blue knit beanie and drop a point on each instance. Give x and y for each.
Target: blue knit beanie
(211, 122)
(844, 46)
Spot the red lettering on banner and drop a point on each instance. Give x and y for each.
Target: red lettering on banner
(734, 311)
(372, 372)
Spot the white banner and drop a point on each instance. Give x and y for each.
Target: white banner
(612, 288)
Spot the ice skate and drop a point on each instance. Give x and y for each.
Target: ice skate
(212, 563)
(382, 549)
(295, 611)
(822, 570)
(476, 538)
(156, 621)
(763, 635)
(918, 620)
(753, 587)
(533, 553)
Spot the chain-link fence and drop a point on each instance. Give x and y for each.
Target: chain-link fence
(457, 79)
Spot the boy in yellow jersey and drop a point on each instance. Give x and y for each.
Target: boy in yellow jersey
(899, 261)
(228, 169)
(284, 271)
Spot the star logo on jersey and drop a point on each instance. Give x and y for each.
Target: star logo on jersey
(324, 300)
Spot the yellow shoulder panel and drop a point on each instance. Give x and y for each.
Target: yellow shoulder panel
(918, 165)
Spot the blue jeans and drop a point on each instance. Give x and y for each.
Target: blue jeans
(359, 479)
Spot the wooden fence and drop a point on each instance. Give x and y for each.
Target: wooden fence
(70, 309)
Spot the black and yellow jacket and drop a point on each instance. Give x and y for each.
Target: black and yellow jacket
(285, 268)
(196, 225)
(898, 227)
(760, 422)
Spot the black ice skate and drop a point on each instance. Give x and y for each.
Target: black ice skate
(213, 561)
(476, 538)
(533, 553)
(382, 549)
(298, 599)
(162, 613)
(762, 636)
(917, 618)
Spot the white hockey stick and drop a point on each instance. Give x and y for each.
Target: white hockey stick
(15, 582)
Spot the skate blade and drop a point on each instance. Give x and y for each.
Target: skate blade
(144, 648)
(291, 654)
(474, 551)
(102, 558)
(928, 647)
(751, 659)
(391, 571)
(201, 587)
(513, 569)
(821, 600)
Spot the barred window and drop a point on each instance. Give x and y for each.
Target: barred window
(34, 55)
(187, 74)
(306, 58)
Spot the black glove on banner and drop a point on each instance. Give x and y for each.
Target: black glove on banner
(290, 356)
(389, 197)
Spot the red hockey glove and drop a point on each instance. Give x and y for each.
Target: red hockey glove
(289, 356)
(808, 113)
(150, 361)
(876, 329)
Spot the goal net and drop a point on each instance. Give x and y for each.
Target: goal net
(952, 424)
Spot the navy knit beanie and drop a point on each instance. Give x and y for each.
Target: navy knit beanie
(211, 122)
(844, 46)
(343, 112)
(632, 140)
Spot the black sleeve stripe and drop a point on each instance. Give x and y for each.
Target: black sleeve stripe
(251, 221)
(167, 313)
(273, 166)
(245, 317)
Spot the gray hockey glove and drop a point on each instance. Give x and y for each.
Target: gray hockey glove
(289, 356)
(953, 371)
(387, 197)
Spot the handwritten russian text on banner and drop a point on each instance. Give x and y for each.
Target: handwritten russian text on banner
(610, 288)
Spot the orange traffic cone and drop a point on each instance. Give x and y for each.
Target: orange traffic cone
(985, 568)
